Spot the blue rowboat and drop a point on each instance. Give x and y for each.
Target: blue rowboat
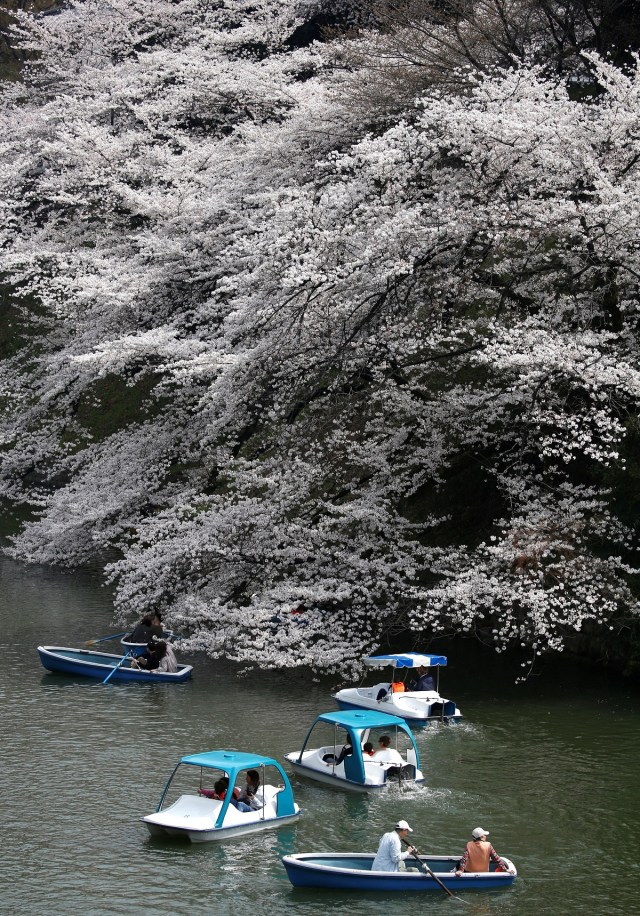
(201, 819)
(419, 707)
(356, 770)
(350, 871)
(87, 663)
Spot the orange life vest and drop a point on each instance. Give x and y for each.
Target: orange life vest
(479, 854)
(398, 687)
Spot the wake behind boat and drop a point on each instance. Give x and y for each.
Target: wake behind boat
(98, 665)
(419, 706)
(352, 871)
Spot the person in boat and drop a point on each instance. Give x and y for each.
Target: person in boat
(220, 789)
(386, 753)
(158, 658)
(390, 855)
(479, 853)
(425, 681)
(167, 661)
(333, 760)
(149, 626)
(398, 687)
(251, 798)
(368, 749)
(149, 660)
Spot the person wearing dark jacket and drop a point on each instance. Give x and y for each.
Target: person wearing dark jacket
(149, 626)
(150, 658)
(425, 681)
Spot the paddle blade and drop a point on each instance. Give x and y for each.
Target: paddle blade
(94, 642)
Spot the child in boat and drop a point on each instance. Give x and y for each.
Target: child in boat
(368, 749)
(220, 789)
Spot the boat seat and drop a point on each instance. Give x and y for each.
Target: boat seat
(269, 793)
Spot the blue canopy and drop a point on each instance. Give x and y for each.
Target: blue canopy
(355, 722)
(365, 718)
(405, 660)
(228, 760)
(231, 762)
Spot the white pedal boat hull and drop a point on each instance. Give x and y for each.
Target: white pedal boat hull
(193, 818)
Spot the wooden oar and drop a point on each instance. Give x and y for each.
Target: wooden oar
(428, 871)
(115, 667)
(94, 642)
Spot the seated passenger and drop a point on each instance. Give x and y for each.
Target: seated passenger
(368, 749)
(250, 798)
(386, 753)
(167, 661)
(398, 687)
(426, 681)
(149, 660)
(479, 853)
(149, 626)
(332, 760)
(219, 791)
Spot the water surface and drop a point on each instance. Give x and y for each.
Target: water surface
(550, 768)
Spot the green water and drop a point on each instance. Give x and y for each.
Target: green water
(550, 768)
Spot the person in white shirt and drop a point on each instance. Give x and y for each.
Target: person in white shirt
(390, 854)
(386, 753)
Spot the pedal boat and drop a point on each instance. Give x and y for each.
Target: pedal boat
(201, 820)
(88, 663)
(419, 707)
(358, 772)
(351, 871)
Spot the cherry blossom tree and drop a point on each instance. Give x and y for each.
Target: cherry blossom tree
(283, 363)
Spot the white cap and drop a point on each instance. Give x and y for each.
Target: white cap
(478, 833)
(402, 825)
